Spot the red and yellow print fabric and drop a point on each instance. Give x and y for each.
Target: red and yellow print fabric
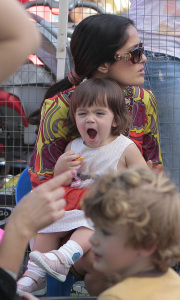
(52, 136)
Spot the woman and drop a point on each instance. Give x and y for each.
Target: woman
(102, 46)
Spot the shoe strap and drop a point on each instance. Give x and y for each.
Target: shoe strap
(32, 275)
(61, 257)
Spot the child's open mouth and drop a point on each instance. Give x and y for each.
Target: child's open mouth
(92, 133)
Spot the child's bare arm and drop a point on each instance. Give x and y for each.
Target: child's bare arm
(131, 156)
(67, 161)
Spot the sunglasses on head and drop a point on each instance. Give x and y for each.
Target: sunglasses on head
(134, 56)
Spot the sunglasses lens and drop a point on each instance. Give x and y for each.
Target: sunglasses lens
(137, 55)
(134, 56)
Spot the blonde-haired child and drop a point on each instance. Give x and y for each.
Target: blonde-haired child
(137, 234)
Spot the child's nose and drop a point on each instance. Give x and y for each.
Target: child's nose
(90, 119)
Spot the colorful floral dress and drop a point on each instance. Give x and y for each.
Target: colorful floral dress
(52, 136)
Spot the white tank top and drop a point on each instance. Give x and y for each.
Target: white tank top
(98, 161)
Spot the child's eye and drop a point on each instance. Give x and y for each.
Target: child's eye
(81, 113)
(100, 113)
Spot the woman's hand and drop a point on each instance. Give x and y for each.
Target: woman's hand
(67, 161)
(35, 211)
(41, 207)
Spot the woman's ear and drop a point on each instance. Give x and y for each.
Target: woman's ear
(103, 68)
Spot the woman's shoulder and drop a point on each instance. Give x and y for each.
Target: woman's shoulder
(140, 94)
(62, 95)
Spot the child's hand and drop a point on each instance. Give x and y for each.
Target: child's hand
(67, 161)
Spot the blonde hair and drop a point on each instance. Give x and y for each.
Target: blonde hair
(145, 203)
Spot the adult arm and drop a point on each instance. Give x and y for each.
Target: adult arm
(52, 138)
(144, 128)
(151, 141)
(18, 37)
(35, 211)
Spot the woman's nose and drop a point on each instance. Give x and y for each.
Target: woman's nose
(144, 58)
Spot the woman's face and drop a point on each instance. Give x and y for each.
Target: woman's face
(124, 71)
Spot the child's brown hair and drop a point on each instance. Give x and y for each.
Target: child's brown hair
(102, 92)
(145, 203)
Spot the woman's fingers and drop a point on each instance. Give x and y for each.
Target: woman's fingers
(44, 205)
(54, 183)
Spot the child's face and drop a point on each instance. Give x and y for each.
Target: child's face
(111, 253)
(94, 124)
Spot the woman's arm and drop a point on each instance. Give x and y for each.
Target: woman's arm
(18, 37)
(151, 140)
(144, 128)
(51, 140)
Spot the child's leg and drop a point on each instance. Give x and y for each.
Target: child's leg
(58, 263)
(75, 247)
(81, 236)
(45, 242)
(34, 279)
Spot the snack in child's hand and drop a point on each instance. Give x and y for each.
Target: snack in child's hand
(80, 158)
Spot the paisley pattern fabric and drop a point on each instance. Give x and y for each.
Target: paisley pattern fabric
(143, 131)
(52, 136)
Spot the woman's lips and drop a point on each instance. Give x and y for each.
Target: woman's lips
(142, 72)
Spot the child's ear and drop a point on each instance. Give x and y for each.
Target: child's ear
(147, 252)
(114, 123)
(103, 68)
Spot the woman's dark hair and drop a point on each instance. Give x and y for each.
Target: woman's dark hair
(94, 41)
(101, 92)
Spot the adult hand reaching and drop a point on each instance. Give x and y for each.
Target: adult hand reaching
(36, 210)
(18, 37)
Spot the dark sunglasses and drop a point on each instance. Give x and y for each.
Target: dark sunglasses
(134, 56)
